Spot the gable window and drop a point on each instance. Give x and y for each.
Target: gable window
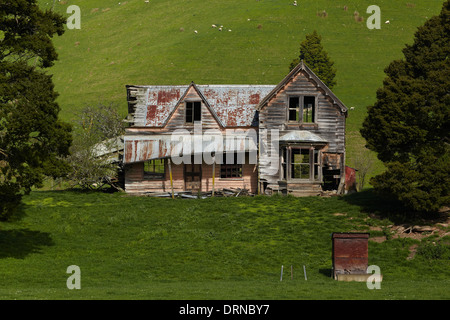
(294, 108)
(193, 111)
(155, 169)
(308, 109)
(301, 109)
(230, 169)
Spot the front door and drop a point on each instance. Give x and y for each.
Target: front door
(193, 177)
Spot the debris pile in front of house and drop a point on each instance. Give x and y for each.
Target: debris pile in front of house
(225, 192)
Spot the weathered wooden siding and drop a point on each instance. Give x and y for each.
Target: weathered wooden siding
(155, 112)
(248, 181)
(329, 121)
(135, 182)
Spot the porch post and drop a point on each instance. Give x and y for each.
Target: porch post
(170, 175)
(213, 174)
(289, 163)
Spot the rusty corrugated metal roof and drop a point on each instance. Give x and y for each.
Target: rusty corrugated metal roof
(234, 105)
(158, 104)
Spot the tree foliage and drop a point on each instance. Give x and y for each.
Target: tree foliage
(32, 138)
(97, 135)
(313, 54)
(408, 126)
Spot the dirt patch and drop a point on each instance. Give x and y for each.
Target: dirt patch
(337, 214)
(412, 232)
(378, 239)
(412, 252)
(422, 229)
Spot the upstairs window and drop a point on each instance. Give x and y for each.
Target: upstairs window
(294, 108)
(193, 111)
(308, 109)
(301, 109)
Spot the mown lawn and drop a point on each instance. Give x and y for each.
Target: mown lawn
(221, 248)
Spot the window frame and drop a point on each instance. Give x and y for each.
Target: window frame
(235, 169)
(301, 108)
(287, 165)
(295, 109)
(152, 174)
(195, 116)
(294, 165)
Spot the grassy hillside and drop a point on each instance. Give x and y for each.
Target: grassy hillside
(221, 248)
(133, 42)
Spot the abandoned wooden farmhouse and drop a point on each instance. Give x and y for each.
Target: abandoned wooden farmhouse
(287, 138)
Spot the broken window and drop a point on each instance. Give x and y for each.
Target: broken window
(301, 109)
(155, 169)
(308, 109)
(193, 111)
(294, 103)
(230, 168)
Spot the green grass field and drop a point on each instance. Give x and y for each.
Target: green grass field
(133, 42)
(221, 248)
(217, 248)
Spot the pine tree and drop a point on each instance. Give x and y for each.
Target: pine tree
(408, 126)
(32, 138)
(316, 58)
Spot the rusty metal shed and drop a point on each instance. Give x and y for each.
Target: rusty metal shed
(350, 253)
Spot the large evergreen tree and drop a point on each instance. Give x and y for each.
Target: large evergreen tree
(316, 58)
(408, 126)
(32, 138)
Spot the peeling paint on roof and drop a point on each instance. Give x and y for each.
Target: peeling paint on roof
(235, 105)
(159, 102)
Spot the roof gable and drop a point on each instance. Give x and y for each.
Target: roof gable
(311, 76)
(206, 103)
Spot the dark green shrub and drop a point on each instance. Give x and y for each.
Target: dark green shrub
(432, 251)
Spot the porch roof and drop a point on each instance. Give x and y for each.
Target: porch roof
(138, 148)
(301, 136)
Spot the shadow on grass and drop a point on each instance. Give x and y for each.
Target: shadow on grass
(326, 272)
(19, 243)
(382, 207)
